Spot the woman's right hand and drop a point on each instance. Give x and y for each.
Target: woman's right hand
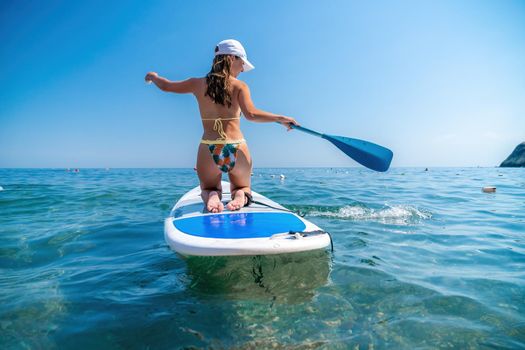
(287, 122)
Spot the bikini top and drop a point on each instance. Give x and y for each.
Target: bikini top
(217, 126)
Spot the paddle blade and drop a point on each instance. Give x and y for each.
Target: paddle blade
(366, 153)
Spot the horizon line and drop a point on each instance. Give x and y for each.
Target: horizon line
(276, 167)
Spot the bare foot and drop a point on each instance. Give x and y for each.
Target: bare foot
(237, 202)
(214, 204)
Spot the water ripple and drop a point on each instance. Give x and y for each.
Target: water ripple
(395, 214)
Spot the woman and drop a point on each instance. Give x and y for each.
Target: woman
(221, 98)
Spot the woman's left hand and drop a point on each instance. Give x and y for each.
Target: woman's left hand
(150, 76)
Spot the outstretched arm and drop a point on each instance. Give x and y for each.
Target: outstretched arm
(257, 115)
(181, 87)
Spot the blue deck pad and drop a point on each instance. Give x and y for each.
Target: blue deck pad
(239, 225)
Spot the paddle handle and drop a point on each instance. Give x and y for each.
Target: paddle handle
(308, 131)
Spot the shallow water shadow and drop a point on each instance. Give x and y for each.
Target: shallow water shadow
(283, 278)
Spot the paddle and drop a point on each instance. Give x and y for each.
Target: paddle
(366, 153)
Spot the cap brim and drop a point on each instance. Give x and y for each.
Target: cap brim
(247, 66)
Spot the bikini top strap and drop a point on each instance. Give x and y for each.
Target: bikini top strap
(221, 118)
(217, 126)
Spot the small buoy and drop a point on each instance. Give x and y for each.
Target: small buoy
(426, 169)
(489, 189)
(282, 176)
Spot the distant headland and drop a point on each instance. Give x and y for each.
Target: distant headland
(516, 158)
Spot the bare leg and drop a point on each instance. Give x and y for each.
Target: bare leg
(210, 180)
(240, 178)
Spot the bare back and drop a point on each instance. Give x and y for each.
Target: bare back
(210, 111)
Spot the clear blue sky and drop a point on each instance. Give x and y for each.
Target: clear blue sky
(441, 83)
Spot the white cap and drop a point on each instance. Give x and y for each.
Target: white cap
(233, 47)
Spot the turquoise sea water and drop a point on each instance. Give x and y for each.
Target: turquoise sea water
(423, 259)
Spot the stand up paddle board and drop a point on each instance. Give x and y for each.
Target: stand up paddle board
(262, 228)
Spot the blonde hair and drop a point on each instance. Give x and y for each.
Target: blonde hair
(218, 80)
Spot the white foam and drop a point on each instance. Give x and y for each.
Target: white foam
(1, 188)
(397, 214)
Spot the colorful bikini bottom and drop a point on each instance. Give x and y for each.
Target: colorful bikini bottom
(224, 154)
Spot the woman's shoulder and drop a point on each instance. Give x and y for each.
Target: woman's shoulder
(198, 82)
(239, 84)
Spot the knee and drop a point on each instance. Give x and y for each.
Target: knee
(212, 188)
